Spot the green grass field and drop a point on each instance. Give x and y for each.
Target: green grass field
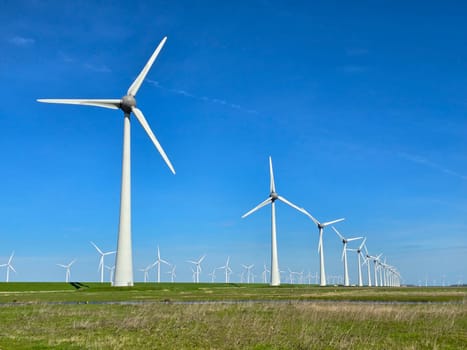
(221, 316)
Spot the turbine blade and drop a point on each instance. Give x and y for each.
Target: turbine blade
(332, 222)
(11, 257)
(310, 216)
(105, 103)
(139, 115)
(282, 199)
(363, 243)
(259, 206)
(271, 175)
(343, 253)
(354, 239)
(97, 248)
(11, 267)
(165, 262)
(335, 230)
(133, 89)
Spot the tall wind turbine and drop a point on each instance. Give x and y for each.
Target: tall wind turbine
(359, 262)
(198, 267)
(273, 196)
(158, 263)
(9, 267)
(124, 260)
(101, 260)
(68, 270)
(227, 269)
(321, 227)
(344, 254)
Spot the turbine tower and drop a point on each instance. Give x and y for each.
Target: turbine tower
(124, 259)
(227, 269)
(273, 196)
(101, 260)
(198, 267)
(321, 227)
(68, 270)
(344, 254)
(9, 267)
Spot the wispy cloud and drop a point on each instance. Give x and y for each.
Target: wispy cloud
(202, 98)
(21, 41)
(423, 161)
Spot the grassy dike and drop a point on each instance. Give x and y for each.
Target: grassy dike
(163, 316)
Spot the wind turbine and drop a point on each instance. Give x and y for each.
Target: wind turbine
(321, 227)
(146, 272)
(273, 196)
(158, 263)
(265, 273)
(227, 269)
(359, 252)
(101, 260)
(198, 266)
(124, 260)
(248, 269)
(172, 273)
(213, 275)
(111, 273)
(68, 270)
(9, 267)
(344, 254)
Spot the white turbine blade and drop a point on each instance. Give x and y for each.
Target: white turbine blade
(11, 267)
(61, 265)
(259, 206)
(271, 175)
(11, 257)
(320, 243)
(106, 103)
(310, 216)
(139, 115)
(108, 253)
(332, 222)
(133, 89)
(201, 259)
(354, 239)
(343, 252)
(282, 199)
(363, 243)
(97, 248)
(335, 230)
(164, 262)
(74, 260)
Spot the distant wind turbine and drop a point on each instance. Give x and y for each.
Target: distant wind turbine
(273, 196)
(226, 269)
(146, 272)
(213, 275)
(9, 267)
(321, 227)
(123, 261)
(158, 263)
(68, 270)
(101, 260)
(172, 273)
(265, 273)
(344, 254)
(359, 262)
(198, 266)
(248, 269)
(111, 273)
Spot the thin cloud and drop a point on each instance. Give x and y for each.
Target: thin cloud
(423, 161)
(202, 98)
(21, 41)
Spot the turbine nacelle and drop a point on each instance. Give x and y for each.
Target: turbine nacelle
(127, 104)
(273, 195)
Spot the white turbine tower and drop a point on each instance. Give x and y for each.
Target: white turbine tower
(101, 260)
(273, 196)
(198, 267)
(68, 270)
(227, 269)
(321, 227)
(124, 260)
(158, 263)
(359, 262)
(9, 267)
(344, 254)
(248, 269)
(367, 261)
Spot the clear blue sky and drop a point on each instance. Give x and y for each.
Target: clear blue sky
(361, 106)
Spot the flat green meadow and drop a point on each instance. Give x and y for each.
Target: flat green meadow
(230, 316)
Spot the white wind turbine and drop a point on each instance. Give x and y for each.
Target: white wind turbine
(124, 260)
(68, 270)
(198, 266)
(213, 275)
(158, 263)
(111, 273)
(273, 196)
(227, 269)
(265, 273)
(248, 269)
(101, 260)
(9, 267)
(344, 254)
(359, 252)
(172, 273)
(146, 272)
(321, 227)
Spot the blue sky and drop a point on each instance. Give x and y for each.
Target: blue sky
(361, 106)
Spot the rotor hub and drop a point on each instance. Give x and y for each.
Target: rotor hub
(273, 196)
(128, 102)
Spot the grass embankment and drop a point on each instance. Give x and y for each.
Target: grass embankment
(294, 324)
